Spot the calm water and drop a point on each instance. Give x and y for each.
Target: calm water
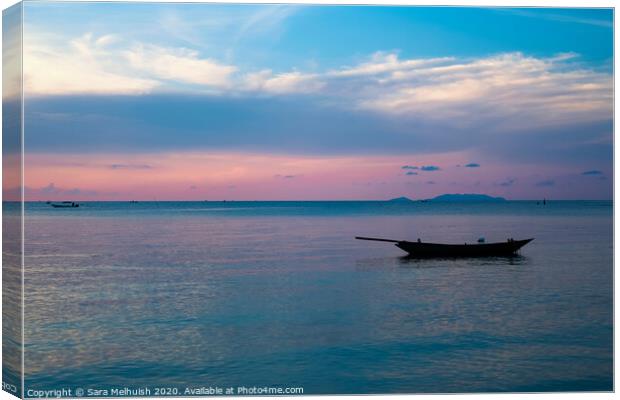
(279, 294)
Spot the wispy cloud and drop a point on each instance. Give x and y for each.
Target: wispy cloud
(130, 166)
(290, 82)
(409, 167)
(52, 192)
(178, 64)
(244, 24)
(286, 176)
(267, 18)
(556, 17)
(508, 182)
(547, 90)
(383, 63)
(430, 168)
(594, 172)
(546, 183)
(472, 165)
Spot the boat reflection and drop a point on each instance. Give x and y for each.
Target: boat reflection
(513, 259)
(377, 263)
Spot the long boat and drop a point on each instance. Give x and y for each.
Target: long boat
(65, 204)
(423, 249)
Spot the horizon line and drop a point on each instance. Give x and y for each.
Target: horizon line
(298, 200)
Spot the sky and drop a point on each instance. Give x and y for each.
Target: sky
(147, 101)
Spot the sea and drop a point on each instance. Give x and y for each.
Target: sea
(204, 295)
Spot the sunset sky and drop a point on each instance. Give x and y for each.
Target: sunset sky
(265, 102)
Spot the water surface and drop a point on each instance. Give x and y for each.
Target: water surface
(280, 294)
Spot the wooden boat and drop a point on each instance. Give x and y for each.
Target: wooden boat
(65, 204)
(422, 249)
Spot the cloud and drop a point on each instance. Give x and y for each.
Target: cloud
(49, 189)
(178, 64)
(592, 172)
(84, 65)
(502, 92)
(297, 125)
(109, 65)
(546, 183)
(408, 167)
(548, 107)
(54, 192)
(273, 124)
(499, 89)
(245, 23)
(508, 182)
(411, 173)
(266, 20)
(129, 166)
(287, 176)
(430, 182)
(472, 165)
(382, 63)
(430, 168)
(80, 192)
(557, 17)
(291, 82)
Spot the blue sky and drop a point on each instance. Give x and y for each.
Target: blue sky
(283, 37)
(526, 93)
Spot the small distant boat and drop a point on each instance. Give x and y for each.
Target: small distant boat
(65, 204)
(423, 250)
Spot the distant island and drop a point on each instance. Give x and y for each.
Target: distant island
(466, 197)
(401, 200)
(453, 198)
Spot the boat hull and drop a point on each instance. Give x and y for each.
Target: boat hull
(421, 249)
